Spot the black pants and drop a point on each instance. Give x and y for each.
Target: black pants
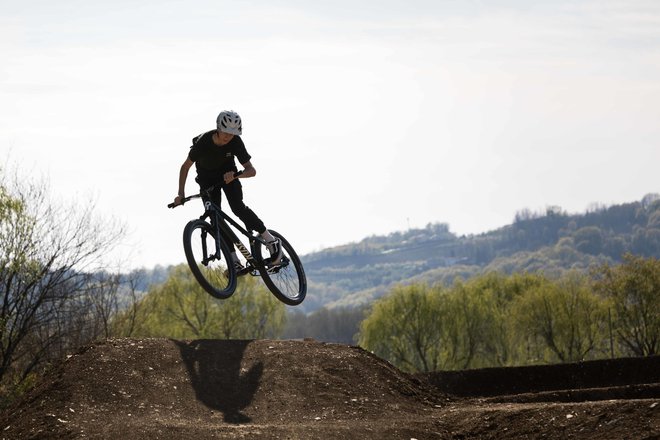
(234, 193)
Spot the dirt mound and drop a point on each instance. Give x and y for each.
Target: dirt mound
(156, 388)
(167, 389)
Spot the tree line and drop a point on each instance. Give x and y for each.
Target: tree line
(520, 319)
(490, 320)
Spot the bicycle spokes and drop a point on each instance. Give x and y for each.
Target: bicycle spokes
(286, 279)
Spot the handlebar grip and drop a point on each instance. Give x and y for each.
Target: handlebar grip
(183, 201)
(174, 205)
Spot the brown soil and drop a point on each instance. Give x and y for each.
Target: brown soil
(166, 389)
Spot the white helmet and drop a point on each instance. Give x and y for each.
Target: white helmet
(230, 122)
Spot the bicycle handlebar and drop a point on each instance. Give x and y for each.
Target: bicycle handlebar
(184, 200)
(207, 191)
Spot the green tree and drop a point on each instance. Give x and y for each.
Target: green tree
(403, 327)
(180, 308)
(633, 289)
(468, 322)
(588, 240)
(563, 318)
(496, 293)
(470, 325)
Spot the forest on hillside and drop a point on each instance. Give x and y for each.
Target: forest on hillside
(552, 241)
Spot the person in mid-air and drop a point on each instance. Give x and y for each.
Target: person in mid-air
(213, 154)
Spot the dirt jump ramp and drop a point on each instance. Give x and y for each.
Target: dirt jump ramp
(263, 389)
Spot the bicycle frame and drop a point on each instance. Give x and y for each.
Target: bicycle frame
(219, 219)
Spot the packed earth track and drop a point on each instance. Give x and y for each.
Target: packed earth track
(270, 389)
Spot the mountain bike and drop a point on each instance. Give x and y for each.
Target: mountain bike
(209, 240)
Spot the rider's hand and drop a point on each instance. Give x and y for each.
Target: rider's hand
(229, 176)
(178, 200)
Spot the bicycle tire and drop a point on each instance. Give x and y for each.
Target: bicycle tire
(287, 281)
(211, 269)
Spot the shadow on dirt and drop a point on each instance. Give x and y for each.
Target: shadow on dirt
(218, 378)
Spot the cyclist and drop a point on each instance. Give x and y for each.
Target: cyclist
(213, 154)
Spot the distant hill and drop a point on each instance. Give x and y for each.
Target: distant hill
(552, 241)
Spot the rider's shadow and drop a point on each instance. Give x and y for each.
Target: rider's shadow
(215, 373)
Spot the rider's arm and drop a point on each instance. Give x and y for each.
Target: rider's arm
(183, 175)
(248, 171)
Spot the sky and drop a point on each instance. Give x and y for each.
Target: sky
(363, 117)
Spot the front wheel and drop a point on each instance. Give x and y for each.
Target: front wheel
(287, 279)
(209, 259)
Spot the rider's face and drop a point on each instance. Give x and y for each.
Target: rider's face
(224, 138)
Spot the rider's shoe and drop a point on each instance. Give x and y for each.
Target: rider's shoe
(275, 249)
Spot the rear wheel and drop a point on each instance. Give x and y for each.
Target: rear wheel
(287, 279)
(209, 260)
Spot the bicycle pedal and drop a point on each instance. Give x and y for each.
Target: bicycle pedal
(284, 261)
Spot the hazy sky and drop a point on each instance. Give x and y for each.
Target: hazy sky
(362, 117)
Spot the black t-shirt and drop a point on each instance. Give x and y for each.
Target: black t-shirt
(213, 161)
